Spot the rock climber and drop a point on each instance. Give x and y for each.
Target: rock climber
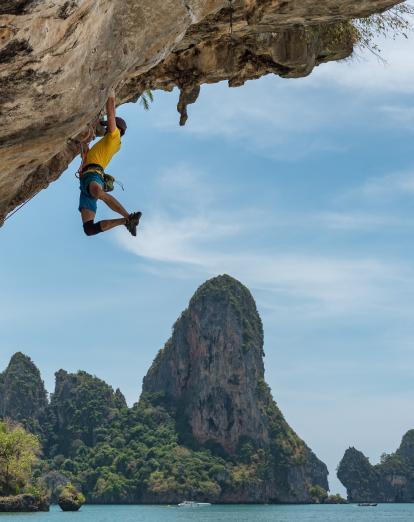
(92, 182)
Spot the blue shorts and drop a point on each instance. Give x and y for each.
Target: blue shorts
(86, 200)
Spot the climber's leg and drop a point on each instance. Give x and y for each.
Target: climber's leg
(90, 193)
(98, 192)
(107, 224)
(91, 229)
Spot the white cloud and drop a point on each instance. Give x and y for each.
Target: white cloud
(361, 221)
(402, 115)
(205, 240)
(291, 119)
(384, 187)
(370, 75)
(272, 117)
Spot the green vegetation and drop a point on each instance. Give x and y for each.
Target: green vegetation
(148, 453)
(19, 452)
(70, 499)
(318, 494)
(223, 288)
(146, 99)
(23, 397)
(363, 33)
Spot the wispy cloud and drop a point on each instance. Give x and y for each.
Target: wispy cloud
(370, 75)
(402, 115)
(361, 221)
(267, 117)
(209, 241)
(386, 187)
(290, 120)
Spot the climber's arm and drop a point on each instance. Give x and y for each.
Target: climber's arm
(110, 113)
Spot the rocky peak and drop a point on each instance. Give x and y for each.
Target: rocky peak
(81, 408)
(406, 449)
(58, 62)
(358, 476)
(213, 363)
(210, 375)
(23, 397)
(389, 481)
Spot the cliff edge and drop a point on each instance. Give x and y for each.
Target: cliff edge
(60, 58)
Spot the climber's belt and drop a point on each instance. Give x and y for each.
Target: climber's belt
(108, 180)
(94, 167)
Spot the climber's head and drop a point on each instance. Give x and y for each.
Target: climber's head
(121, 124)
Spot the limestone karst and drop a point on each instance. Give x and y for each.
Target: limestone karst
(389, 481)
(206, 425)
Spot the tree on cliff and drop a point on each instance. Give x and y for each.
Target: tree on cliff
(19, 452)
(395, 22)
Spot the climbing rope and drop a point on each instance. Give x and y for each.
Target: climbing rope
(84, 149)
(19, 207)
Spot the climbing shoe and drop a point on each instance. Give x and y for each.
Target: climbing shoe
(133, 222)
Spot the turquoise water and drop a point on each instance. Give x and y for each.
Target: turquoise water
(346, 513)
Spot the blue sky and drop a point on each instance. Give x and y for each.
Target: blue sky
(301, 189)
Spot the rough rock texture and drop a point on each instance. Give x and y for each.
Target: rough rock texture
(53, 482)
(23, 397)
(22, 504)
(390, 481)
(59, 58)
(211, 374)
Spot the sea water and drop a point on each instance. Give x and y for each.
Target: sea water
(220, 513)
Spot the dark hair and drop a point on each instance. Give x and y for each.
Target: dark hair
(120, 123)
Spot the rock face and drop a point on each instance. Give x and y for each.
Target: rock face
(390, 481)
(211, 376)
(59, 58)
(22, 504)
(70, 499)
(23, 397)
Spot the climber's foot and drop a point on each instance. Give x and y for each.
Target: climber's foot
(133, 222)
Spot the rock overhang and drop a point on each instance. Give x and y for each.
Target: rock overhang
(58, 62)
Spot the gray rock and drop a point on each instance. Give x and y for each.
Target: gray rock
(22, 504)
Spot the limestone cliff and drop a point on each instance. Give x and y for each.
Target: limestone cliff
(205, 427)
(23, 397)
(390, 481)
(59, 58)
(80, 406)
(211, 377)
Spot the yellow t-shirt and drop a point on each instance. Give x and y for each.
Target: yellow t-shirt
(103, 151)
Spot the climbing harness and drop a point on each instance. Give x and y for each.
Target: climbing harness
(93, 129)
(108, 180)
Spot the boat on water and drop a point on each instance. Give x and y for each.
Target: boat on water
(367, 504)
(192, 504)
